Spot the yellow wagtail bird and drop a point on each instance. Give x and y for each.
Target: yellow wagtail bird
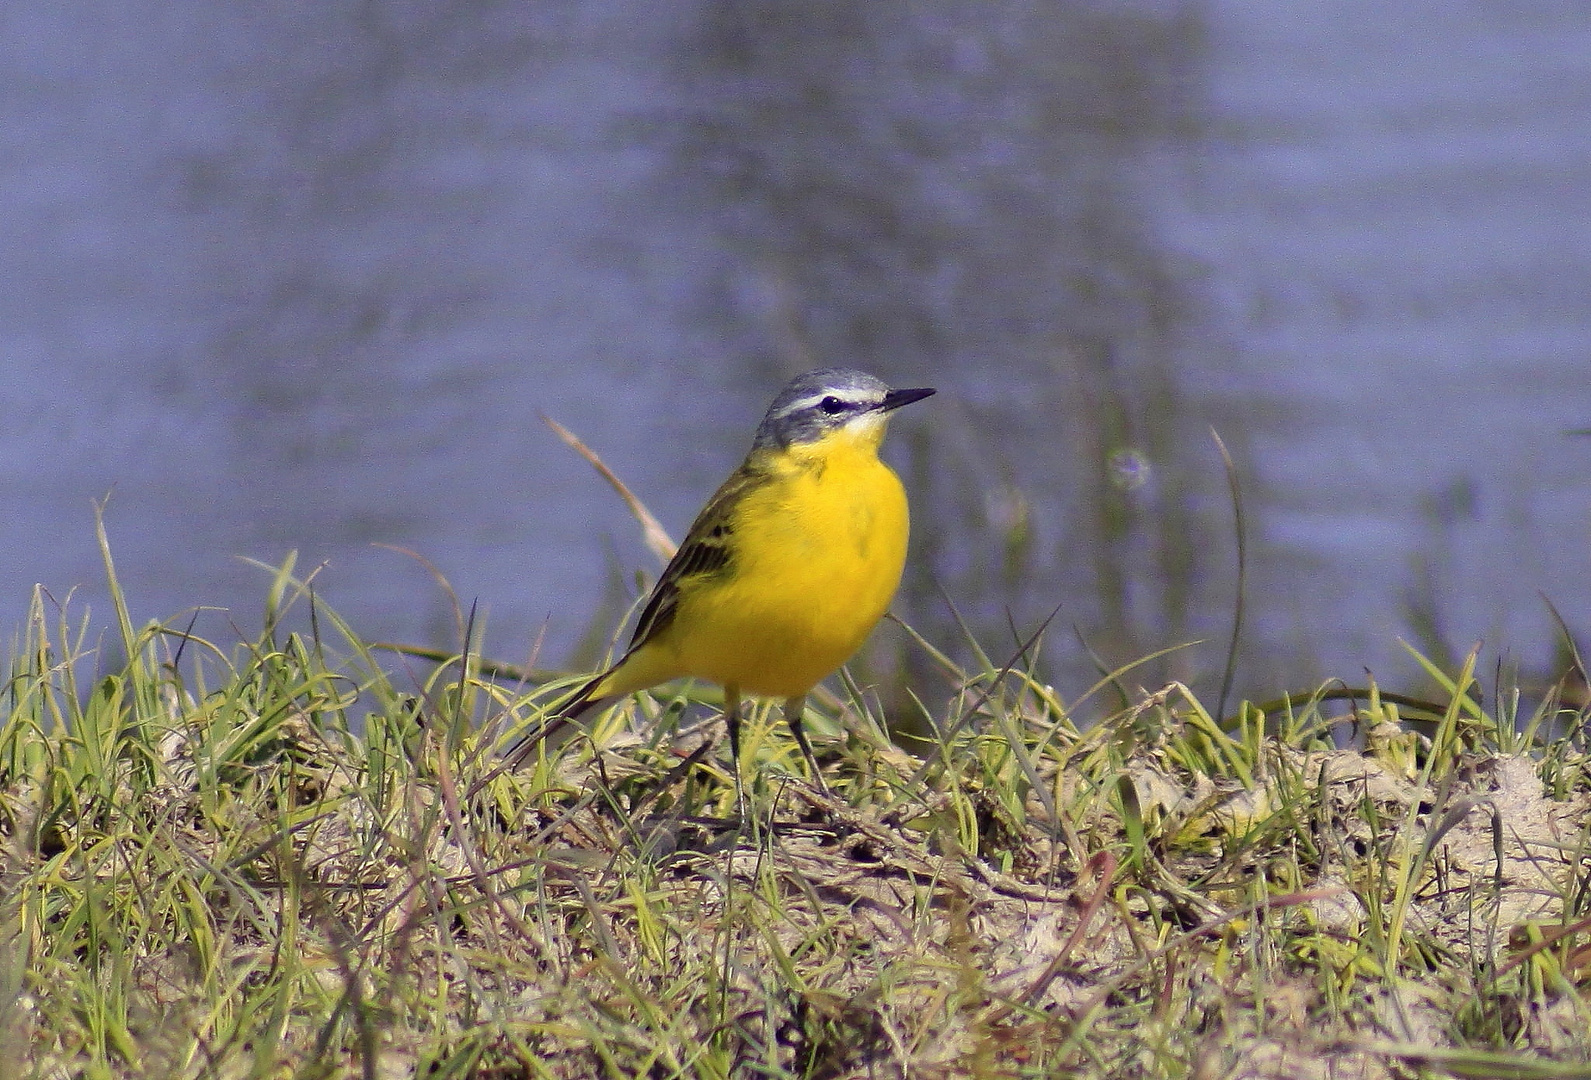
(789, 565)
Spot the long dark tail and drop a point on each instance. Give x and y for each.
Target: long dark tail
(585, 699)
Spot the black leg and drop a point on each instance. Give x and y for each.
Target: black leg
(793, 708)
(732, 722)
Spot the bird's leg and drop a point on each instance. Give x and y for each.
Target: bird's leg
(793, 708)
(732, 722)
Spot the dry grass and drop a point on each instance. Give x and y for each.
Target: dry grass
(269, 860)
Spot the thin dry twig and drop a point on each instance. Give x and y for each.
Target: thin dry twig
(652, 532)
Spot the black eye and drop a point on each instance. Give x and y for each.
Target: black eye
(832, 405)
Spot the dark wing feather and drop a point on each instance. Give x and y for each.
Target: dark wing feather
(706, 550)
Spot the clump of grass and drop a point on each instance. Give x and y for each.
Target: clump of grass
(272, 857)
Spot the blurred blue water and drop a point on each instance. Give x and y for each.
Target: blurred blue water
(302, 276)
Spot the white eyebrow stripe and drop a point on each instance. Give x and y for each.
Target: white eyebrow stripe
(811, 401)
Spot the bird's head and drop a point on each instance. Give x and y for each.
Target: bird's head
(831, 401)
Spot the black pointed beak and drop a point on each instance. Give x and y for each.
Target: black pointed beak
(896, 398)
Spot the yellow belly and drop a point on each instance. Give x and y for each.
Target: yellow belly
(818, 555)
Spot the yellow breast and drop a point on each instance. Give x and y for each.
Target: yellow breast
(818, 553)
